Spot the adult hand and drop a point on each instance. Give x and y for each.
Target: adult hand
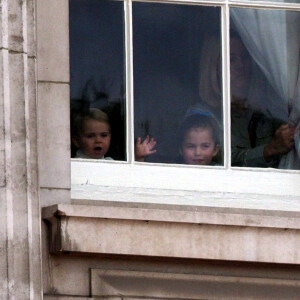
(282, 142)
(145, 148)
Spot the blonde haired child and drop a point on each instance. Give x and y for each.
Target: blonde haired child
(91, 134)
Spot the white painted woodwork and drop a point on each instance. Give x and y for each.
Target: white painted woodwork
(270, 188)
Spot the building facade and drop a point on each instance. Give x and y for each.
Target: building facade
(123, 239)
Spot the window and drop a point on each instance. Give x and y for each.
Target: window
(264, 56)
(97, 65)
(161, 46)
(167, 42)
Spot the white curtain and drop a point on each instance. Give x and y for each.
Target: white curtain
(272, 38)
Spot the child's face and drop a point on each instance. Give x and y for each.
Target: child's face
(94, 140)
(198, 147)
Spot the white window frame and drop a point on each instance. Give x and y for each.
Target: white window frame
(237, 187)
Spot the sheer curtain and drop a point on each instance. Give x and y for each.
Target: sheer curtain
(273, 40)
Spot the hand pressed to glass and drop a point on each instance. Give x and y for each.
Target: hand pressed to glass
(145, 148)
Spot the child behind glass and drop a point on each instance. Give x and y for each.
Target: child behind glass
(91, 134)
(199, 140)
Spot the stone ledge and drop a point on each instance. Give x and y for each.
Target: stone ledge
(177, 213)
(58, 297)
(162, 285)
(207, 233)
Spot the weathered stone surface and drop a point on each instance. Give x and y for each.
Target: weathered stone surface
(16, 38)
(53, 40)
(51, 196)
(18, 26)
(179, 240)
(54, 135)
(48, 297)
(18, 247)
(2, 141)
(3, 249)
(164, 285)
(175, 234)
(31, 28)
(17, 125)
(46, 261)
(19, 208)
(219, 275)
(31, 123)
(3, 23)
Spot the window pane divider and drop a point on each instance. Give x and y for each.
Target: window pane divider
(186, 2)
(264, 4)
(233, 3)
(225, 27)
(129, 81)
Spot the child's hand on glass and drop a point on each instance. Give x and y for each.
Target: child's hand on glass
(145, 148)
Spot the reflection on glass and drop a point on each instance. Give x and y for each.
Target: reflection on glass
(282, 1)
(265, 88)
(97, 79)
(177, 83)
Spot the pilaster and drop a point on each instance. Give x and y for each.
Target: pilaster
(18, 153)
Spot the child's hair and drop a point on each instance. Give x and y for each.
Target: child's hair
(199, 120)
(91, 114)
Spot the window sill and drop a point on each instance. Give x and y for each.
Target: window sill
(174, 231)
(186, 185)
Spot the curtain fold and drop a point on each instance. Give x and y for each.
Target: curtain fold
(273, 40)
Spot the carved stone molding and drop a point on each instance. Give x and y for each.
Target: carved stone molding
(159, 285)
(218, 234)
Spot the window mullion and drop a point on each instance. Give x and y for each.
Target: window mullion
(265, 4)
(129, 81)
(225, 23)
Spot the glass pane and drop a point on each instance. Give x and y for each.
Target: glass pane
(265, 88)
(97, 79)
(279, 1)
(177, 84)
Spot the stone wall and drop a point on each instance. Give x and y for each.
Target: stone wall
(128, 260)
(20, 259)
